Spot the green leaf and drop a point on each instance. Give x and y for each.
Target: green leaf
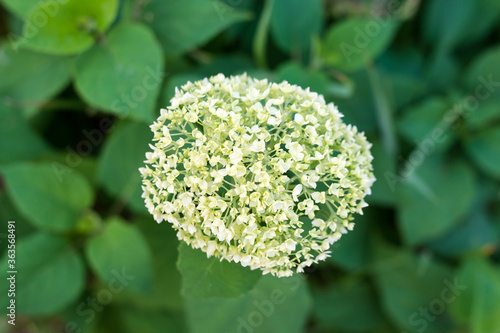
(50, 275)
(352, 251)
(404, 60)
(485, 116)
(50, 201)
(425, 124)
(151, 320)
(348, 306)
(167, 279)
(122, 155)
(402, 71)
(182, 25)
(279, 305)
(384, 167)
(477, 233)
(64, 161)
(18, 141)
(9, 213)
(121, 249)
(349, 44)
(295, 22)
(431, 200)
(447, 28)
(206, 278)
(407, 284)
(443, 71)
(124, 74)
(483, 76)
(67, 27)
(20, 8)
(484, 148)
(360, 108)
(30, 79)
(475, 304)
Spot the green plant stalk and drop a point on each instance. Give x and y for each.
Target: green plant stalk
(260, 39)
(384, 112)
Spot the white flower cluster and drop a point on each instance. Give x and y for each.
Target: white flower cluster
(259, 173)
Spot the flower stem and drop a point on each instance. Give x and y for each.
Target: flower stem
(384, 112)
(260, 39)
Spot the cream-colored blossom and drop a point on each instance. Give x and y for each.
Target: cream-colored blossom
(263, 174)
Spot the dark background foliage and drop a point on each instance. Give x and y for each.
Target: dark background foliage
(80, 81)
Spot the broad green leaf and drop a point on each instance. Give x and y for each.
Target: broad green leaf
(64, 161)
(407, 284)
(124, 74)
(167, 279)
(9, 213)
(352, 251)
(483, 76)
(50, 275)
(348, 306)
(402, 71)
(443, 71)
(317, 81)
(121, 249)
(404, 89)
(360, 108)
(206, 278)
(431, 200)
(484, 148)
(295, 22)
(446, 29)
(22, 8)
(486, 115)
(405, 60)
(67, 27)
(30, 79)
(182, 25)
(349, 44)
(50, 201)
(477, 233)
(427, 124)
(18, 141)
(152, 320)
(122, 155)
(278, 305)
(475, 302)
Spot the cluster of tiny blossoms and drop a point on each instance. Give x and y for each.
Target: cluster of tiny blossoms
(259, 173)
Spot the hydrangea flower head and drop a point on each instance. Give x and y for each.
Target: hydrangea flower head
(259, 173)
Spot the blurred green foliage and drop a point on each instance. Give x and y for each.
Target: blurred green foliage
(81, 81)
